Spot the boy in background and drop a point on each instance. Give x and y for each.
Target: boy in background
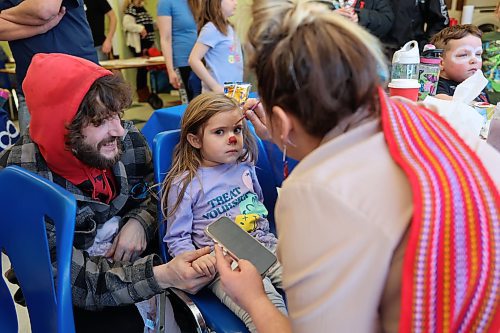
(462, 50)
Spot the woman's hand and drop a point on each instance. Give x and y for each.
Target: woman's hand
(244, 284)
(258, 118)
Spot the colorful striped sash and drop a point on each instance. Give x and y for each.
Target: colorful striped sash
(451, 269)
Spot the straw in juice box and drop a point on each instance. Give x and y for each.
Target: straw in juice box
(237, 90)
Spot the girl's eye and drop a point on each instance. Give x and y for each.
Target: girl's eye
(238, 130)
(219, 132)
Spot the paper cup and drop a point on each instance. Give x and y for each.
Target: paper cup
(404, 88)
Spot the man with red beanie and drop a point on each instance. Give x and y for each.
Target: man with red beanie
(78, 140)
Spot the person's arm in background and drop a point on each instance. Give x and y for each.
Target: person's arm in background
(32, 12)
(108, 42)
(244, 286)
(11, 31)
(436, 17)
(378, 19)
(165, 27)
(208, 38)
(195, 61)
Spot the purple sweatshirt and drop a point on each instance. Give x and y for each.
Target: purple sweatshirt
(230, 190)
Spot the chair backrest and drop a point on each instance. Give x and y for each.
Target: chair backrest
(25, 200)
(163, 120)
(163, 148)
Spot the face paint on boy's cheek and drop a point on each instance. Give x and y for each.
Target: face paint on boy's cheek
(470, 53)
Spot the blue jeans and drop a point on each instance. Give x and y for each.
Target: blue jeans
(101, 55)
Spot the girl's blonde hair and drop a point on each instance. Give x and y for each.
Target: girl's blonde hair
(187, 159)
(127, 3)
(211, 11)
(313, 63)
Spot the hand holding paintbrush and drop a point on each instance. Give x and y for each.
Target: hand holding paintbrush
(245, 111)
(257, 116)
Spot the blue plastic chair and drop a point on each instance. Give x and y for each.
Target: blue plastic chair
(25, 200)
(206, 308)
(163, 120)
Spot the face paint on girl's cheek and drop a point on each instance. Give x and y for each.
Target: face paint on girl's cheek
(465, 54)
(232, 140)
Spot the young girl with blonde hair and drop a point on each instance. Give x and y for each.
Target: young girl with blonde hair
(218, 45)
(213, 175)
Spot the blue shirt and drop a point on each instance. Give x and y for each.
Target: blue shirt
(183, 29)
(71, 36)
(224, 59)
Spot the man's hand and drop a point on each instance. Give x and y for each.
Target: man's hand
(205, 265)
(32, 12)
(11, 30)
(258, 118)
(54, 21)
(129, 243)
(244, 284)
(179, 273)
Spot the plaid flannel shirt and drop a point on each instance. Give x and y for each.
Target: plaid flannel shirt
(96, 281)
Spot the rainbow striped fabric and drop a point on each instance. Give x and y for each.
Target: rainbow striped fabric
(451, 269)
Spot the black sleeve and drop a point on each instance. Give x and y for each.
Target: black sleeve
(377, 16)
(436, 17)
(445, 88)
(104, 6)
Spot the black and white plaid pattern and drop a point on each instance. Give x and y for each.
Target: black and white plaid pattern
(98, 282)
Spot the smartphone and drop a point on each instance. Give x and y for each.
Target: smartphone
(240, 244)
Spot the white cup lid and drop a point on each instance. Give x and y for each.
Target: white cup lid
(408, 54)
(404, 83)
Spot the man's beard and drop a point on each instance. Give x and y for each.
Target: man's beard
(93, 157)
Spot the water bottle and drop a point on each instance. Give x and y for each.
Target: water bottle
(405, 62)
(428, 71)
(404, 72)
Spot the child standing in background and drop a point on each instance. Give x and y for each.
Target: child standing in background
(462, 51)
(140, 30)
(213, 175)
(218, 44)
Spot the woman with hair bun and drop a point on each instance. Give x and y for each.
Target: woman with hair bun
(390, 221)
